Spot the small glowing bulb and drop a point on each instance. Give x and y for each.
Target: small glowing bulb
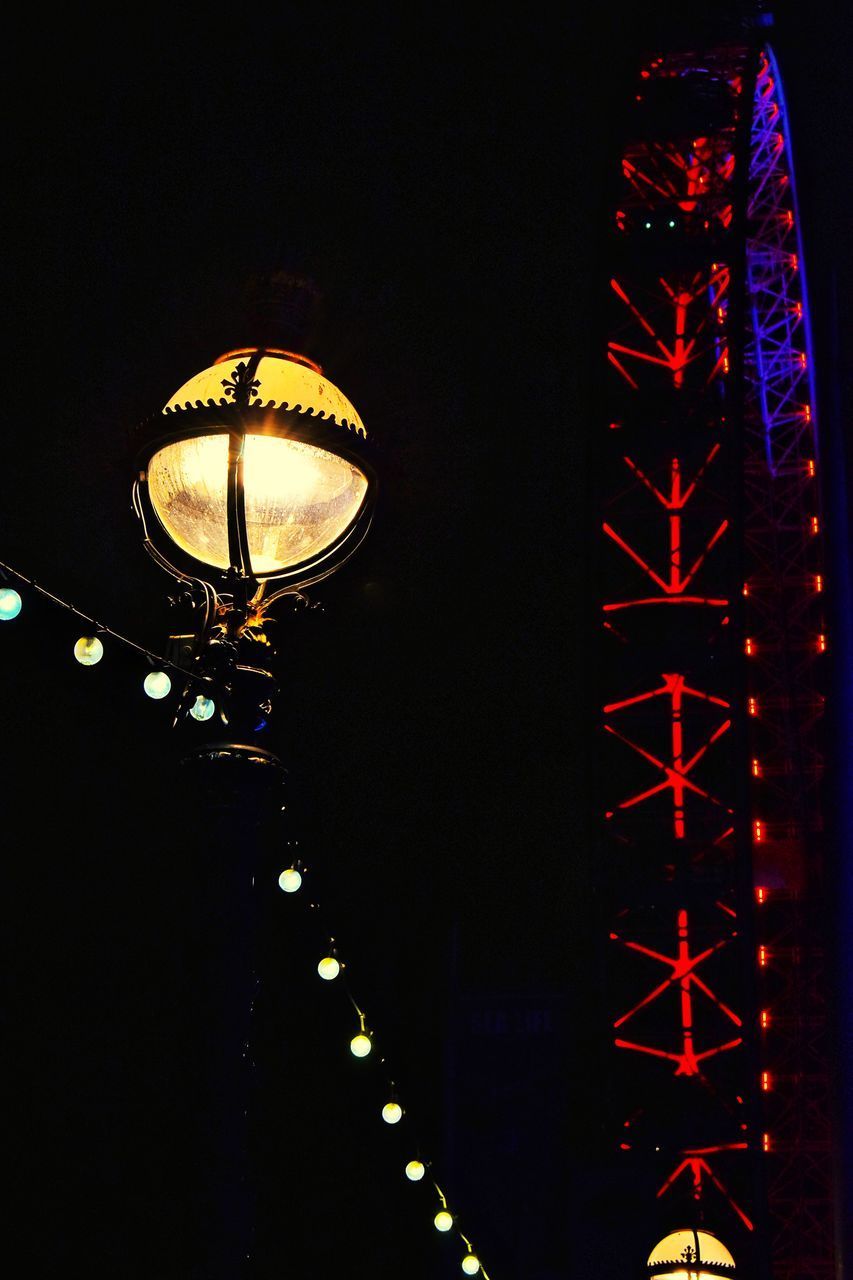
(157, 684)
(202, 708)
(88, 650)
(415, 1171)
(10, 604)
(290, 880)
(443, 1220)
(392, 1112)
(360, 1045)
(328, 968)
(470, 1264)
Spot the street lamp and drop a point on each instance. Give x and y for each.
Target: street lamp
(253, 482)
(690, 1254)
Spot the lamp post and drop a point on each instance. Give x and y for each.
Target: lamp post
(253, 482)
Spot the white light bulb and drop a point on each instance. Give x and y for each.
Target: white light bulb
(157, 684)
(202, 708)
(443, 1220)
(88, 650)
(415, 1170)
(360, 1045)
(392, 1112)
(470, 1264)
(290, 880)
(328, 968)
(10, 604)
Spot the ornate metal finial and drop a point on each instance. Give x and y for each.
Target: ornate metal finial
(241, 386)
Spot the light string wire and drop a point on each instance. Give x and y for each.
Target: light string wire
(298, 867)
(157, 659)
(291, 887)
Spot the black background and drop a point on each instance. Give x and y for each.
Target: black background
(446, 179)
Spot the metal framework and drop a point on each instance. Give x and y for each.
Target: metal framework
(711, 590)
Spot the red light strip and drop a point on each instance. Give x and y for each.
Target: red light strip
(697, 1168)
(674, 503)
(611, 357)
(675, 774)
(683, 966)
(682, 350)
(630, 604)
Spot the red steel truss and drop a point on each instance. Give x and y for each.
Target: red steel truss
(711, 597)
(785, 642)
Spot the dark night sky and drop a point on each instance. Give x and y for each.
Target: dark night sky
(445, 179)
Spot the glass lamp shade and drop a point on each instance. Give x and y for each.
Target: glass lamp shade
(299, 499)
(690, 1254)
(257, 464)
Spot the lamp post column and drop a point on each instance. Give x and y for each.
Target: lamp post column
(232, 802)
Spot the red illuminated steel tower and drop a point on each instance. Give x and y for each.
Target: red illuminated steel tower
(712, 676)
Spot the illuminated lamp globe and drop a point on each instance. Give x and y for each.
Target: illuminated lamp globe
(257, 465)
(202, 708)
(328, 968)
(690, 1254)
(392, 1112)
(290, 880)
(157, 684)
(88, 650)
(415, 1170)
(10, 604)
(360, 1045)
(443, 1220)
(470, 1264)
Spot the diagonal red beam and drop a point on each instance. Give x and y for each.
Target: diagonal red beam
(629, 550)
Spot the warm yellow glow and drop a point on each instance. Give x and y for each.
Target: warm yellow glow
(392, 1112)
(281, 381)
(687, 1250)
(88, 650)
(298, 498)
(328, 968)
(415, 1170)
(360, 1045)
(470, 1264)
(290, 880)
(443, 1220)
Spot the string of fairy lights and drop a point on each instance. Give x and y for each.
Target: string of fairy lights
(89, 648)
(293, 881)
